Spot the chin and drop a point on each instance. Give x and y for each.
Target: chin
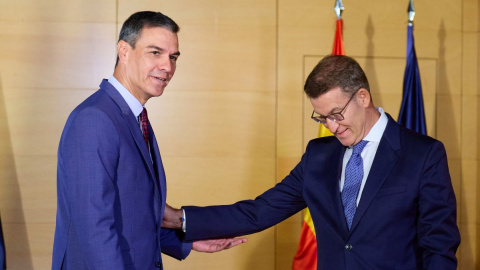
(157, 93)
(345, 142)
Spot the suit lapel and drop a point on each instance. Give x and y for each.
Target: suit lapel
(161, 184)
(384, 161)
(136, 133)
(131, 123)
(322, 191)
(334, 190)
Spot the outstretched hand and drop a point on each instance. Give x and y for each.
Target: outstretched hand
(172, 219)
(216, 245)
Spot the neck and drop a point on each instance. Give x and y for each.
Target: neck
(371, 118)
(119, 74)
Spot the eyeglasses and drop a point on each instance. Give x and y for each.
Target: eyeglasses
(335, 117)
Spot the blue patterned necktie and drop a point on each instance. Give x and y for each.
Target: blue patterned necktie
(353, 180)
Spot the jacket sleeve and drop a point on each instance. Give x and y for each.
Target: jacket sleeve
(248, 216)
(173, 245)
(88, 154)
(437, 228)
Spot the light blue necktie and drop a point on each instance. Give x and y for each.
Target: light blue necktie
(353, 180)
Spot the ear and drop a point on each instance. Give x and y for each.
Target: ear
(122, 49)
(363, 97)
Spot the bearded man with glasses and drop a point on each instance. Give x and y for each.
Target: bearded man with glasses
(380, 195)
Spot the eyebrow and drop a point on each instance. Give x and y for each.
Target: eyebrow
(161, 49)
(332, 111)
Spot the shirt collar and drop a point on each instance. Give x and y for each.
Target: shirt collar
(377, 130)
(132, 102)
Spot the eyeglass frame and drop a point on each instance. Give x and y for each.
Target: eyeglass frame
(329, 116)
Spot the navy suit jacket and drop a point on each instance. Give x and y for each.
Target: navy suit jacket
(406, 217)
(110, 195)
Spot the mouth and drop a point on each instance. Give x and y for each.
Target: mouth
(160, 79)
(340, 133)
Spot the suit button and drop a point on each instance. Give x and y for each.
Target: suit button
(158, 265)
(348, 247)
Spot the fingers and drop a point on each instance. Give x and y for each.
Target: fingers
(217, 245)
(235, 242)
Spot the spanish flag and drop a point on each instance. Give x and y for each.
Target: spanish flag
(306, 256)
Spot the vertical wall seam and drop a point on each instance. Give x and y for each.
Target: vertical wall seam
(275, 241)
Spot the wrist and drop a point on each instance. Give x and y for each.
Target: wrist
(178, 220)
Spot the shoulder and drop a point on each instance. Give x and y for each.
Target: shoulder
(98, 104)
(324, 145)
(324, 141)
(411, 137)
(96, 114)
(408, 140)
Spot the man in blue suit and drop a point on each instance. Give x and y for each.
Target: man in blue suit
(111, 184)
(380, 195)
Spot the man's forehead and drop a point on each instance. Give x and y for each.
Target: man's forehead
(152, 33)
(159, 38)
(331, 95)
(329, 101)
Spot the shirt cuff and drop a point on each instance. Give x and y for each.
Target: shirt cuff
(184, 222)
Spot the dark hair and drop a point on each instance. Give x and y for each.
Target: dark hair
(335, 71)
(133, 26)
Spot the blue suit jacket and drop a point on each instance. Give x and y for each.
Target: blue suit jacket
(406, 217)
(111, 196)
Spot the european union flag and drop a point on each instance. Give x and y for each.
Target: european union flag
(412, 114)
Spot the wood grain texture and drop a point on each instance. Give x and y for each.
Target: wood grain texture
(234, 120)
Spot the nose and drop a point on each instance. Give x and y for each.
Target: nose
(331, 125)
(166, 64)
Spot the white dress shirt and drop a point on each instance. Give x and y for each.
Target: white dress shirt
(132, 101)
(368, 154)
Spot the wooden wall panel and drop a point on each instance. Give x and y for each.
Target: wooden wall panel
(33, 12)
(234, 119)
(56, 54)
(53, 55)
(38, 116)
(215, 123)
(469, 200)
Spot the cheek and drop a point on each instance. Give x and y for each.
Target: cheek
(358, 123)
(355, 120)
(146, 64)
(356, 115)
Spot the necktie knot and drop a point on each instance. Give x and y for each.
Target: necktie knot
(144, 115)
(358, 148)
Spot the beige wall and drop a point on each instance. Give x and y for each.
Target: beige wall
(234, 120)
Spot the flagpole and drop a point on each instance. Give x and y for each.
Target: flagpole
(306, 256)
